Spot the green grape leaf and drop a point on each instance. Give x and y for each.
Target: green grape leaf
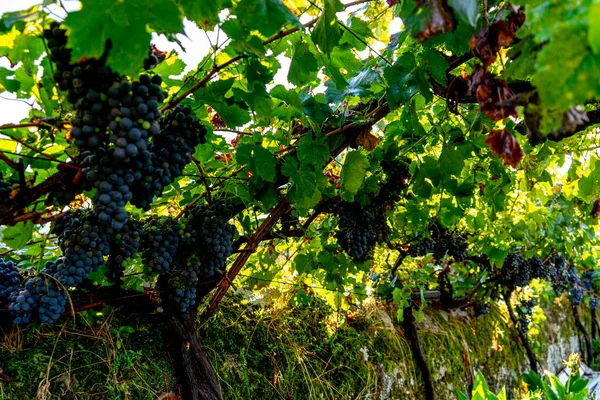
(326, 33)
(357, 34)
(314, 109)
(313, 151)
(402, 81)
(436, 65)
(587, 186)
(452, 159)
(233, 115)
(264, 164)
(170, 67)
(304, 193)
(257, 74)
(594, 27)
(358, 85)
(564, 69)
(265, 16)
(8, 81)
(204, 13)
(17, 236)
(303, 67)
(22, 47)
(467, 10)
(291, 97)
(354, 171)
(125, 24)
(458, 40)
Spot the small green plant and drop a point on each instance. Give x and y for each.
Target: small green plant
(551, 388)
(481, 391)
(537, 388)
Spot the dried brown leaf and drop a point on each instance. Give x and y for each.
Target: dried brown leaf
(503, 143)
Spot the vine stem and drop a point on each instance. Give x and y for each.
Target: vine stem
(595, 326)
(533, 363)
(203, 81)
(282, 207)
(589, 356)
(59, 124)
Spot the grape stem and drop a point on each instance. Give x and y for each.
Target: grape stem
(212, 187)
(203, 177)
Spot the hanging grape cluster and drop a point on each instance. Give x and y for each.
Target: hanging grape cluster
(525, 311)
(558, 277)
(84, 242)
(205, 243)
(396, 180)
(40, 297)
(171, 148)
(184, 285)
(10, 278)
(453, 244)
(575, 285)
(128, 153)
(396, 176)
(516, 271)
(422, 246)
(160, 241)
(212, 232)
(82, 80)
(356, 233)
(539, 270)
(123, 247)
(195, 247)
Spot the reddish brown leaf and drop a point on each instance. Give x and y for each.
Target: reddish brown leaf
(217, 121)
(488, 42)
(490, 91)
(365, 139)
(503, 143)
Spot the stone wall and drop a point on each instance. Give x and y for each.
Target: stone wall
(457, 346)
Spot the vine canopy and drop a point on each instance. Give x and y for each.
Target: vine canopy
(336, 136)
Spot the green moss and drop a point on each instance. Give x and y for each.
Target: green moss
(86, 362)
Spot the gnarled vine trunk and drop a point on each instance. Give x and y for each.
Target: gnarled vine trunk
(196, 375)
(589, 351)
(410, 331)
